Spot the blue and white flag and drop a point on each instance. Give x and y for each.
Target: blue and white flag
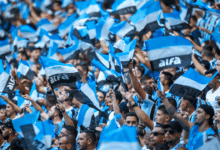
(119, 138)
(91, 29)
(26, 119)
(173, 51)
(5, 46)
(216, 38)
(7, 83)
(89, 7)
(25, 70)
(19, 43)
(59, 74)
(64, 27)
(102, 28)
(85, 116)
(172, 21)
(46, 25)
(120, 45)
(102, 84)
(80, 32)
(191, 83)
(33, 93)
(52, 52)
(69, 53)
(127, 55)
(122, 7)
(145, 19)
(122, 29)
(28, 32)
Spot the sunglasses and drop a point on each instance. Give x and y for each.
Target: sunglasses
(170, 131)
(156, 133)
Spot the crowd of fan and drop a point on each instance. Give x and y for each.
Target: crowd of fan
(163, 120)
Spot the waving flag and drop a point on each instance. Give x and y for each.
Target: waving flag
(5, 47)
(28, 32)
(173, 51)
(102, 83)
(122, 29)
(59, 74)
(91, 29)
(120, 45)
(80, 32)
(33, 92)
(85, 116)
(127, 54)
(145, 19)
(7, 83)
(122, 7)
(25, 70)
(102, 28)
(64, 27)
(70, 52)
(216, 38)
(119, 138)
(46, 25)
(19, 43)
(93, 10)
(191, 83)
(52, 52)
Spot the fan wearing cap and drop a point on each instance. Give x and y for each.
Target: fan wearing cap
(173, 133)
(201, 131)
(34, 56)
(8, 133)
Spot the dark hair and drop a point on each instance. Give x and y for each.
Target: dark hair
(90, 135)
(207, 50)
(163, 109)
(132, 114)
(193, 17)
(148, 89)
(118, 96)
(58, 2)
(192, 100)
(168, 76)
(71, 130)
(16, 144)
(141, 69)
(59, 112)
(145, 77)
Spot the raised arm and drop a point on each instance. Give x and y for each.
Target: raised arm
(67, 119)
(173, 112)
(17, 109)
(142, 58)
(200, 68)
(140, 113)
(197, 47)
(135, 83)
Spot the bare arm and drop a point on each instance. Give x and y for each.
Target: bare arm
(197, 47)
(142, 58)
(141, 114)
(172, 111)
(201, 69)
(67, 119)
(17, 109)
(135, 83)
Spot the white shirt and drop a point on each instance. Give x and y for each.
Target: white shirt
(210, 97)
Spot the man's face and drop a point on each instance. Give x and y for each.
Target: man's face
(63, 132)
(5, 132)
(157, 136)
(100, 96)
(131, 121)
(213, 83)
(35, 54)
(3, 114)
(217, 67)
(160, 117)
(150, 82)
(162, 78)
(9, 110)
(217, 115)
(63, 143)
(74, 102)
(51, 112)
(82, 141)
(109, 103)
(183, 104)
(200, 116)
(171, 135)
(63, 96)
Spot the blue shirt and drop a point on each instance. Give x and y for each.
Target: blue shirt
(197, 139)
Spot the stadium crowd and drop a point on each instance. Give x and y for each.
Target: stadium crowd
(109, 74)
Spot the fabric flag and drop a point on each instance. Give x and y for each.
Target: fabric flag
(21, 102)
(191, 83)
(119, 138)
(5, 47)
(19, 43)
(71, 39)
(26, 119)
(122, 29)
(60, 74)
(46, 133)
(122, 7)
(145, 19)
(216, 37)
(81, 20)
(85, 116)
(52, 52)
(102, 83)
(120, 45)
(80, 32)
(102, 28)
(64, 27)
(46, 25)
(126, 56)
(28, 32)
(93, 10)
(173, 51)
(7, 83)
(70, 52)
(33, 92)
(172, 21)
(91, 29)
(25, 70)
